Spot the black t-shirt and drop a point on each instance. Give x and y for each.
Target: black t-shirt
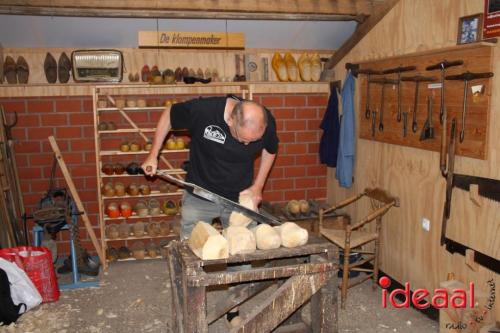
(219, 162)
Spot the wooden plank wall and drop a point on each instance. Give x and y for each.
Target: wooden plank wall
(410, 253)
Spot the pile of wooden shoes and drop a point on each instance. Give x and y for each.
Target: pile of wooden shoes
(307, 68)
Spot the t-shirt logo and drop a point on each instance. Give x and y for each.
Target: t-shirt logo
(214, 133)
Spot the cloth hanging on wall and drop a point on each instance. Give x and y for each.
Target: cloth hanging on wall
(347, 139)
(329, 144)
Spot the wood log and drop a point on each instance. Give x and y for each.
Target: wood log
(266, 237)
(240, 239)
(292, 235)
(238, 219)
(207, 243)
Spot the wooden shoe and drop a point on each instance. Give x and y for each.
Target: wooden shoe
(123, 253)
(9, 70)
(185, 72)
(124, 230)
(153, 250)
(164, 228)
(112, 254)
(315, 67)
(153, 229)
(305, 67)
(199, 73)
(22, 70)
(112, 231)
(178, 74)
(291, 67)
(63, 68)
(279, 67)
(168, 76)
(138, 229)
(50, 68)
(138, 250)
(145, 74)
(156, 75)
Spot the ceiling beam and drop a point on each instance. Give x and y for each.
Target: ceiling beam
(146, 13)
(361, 31)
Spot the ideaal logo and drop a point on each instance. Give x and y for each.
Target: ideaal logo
(441, 299)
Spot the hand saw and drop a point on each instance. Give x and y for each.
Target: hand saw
(226, 203)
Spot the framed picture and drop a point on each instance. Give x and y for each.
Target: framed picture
(491, 25)
(470, 29)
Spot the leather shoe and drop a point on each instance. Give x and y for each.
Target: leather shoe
(9, 70)
(63, 68)
(50, 68)
(22, 70)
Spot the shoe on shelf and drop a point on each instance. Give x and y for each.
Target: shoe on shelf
(9, 70)
(22, 70)
(291, 67)
(63, 68)
(305, 67)
(50, 68)
(145, 74)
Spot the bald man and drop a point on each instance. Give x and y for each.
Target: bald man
(227, 134)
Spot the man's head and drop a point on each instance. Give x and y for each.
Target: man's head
(248, 121)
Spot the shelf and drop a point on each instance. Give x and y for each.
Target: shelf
(153, 194)
(169, 171)
(141, 152)
(128, 130)
(133, 259)
(134, 216)
(145, 108)
(170, 235)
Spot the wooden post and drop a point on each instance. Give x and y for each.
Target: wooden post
(76, 197)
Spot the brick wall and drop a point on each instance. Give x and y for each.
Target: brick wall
(296, 174)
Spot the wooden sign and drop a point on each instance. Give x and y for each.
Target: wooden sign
(491, 21)
(192, 40)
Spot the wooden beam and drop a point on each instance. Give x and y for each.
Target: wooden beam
(361, 31)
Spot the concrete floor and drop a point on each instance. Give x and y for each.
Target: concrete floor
(135, 297)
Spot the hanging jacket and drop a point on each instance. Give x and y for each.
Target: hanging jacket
(347, 138)
(329, 144)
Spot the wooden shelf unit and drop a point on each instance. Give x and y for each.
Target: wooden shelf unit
(140, 91)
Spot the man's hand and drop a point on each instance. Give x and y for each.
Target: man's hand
(150, 165)
(255, 193)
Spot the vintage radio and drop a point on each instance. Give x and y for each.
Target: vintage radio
(97, 65)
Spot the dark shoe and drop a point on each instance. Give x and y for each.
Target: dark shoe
(231, 315)
(178, 74)
(9, 70)
(23, 70)
(63, 68)
(50, 68)
(168, 76)
(156, 75)
(145, 74)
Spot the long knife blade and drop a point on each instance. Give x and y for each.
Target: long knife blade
(226, 203)
(487, 188)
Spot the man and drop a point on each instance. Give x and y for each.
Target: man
(227, 134)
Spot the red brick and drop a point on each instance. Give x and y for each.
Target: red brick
(87, 105)
(77, 119)
(73, 158)
(40, 133)
(90, 157)
(282, 184)
(29, 173)
(19, 133)
(307, 136)
(310, 159)
(139, 117)
(273, 196)
(306, 113)
(83, 171)
(295, 125)
(321, 182)
(21, 160)
(316, 193)
(286, 137)
(284, 113)
(321, 100)
(298, 171)
(295, 195)
(313, 124)
(28, 147)
(63, 146)
(28, 120)
(88, 132)
(83, 145)
(284, 160)
(38, 185)
(14, 106)
(68, 132)
(56, 119)
(318, 170)
(35, 106)
(276, 172)
(69, 105)
(271, 101)
(295, 148)
(313, 148)
(41, 159)
(292, 100)
(280, 125)
(304, 183)
(90, 182)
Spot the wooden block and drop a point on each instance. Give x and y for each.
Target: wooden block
(292, 235)
(238, 219)
(207, 243)
(474, 194)
(266, 237)
(240, 240)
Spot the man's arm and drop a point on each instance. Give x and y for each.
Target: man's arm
(266, 162)
(162, 128)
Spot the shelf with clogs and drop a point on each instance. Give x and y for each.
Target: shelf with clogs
(169, 171)
(140, 152)
(152, 194)
(170, 235)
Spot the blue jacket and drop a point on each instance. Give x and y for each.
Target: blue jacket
(347, 139)
(329, 144)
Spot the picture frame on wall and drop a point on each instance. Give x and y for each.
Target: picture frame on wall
(491, 19)
(470, 29)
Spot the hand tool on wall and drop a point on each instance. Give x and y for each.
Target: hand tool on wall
(405, 123)
(466, 77)
(369, 72)
(417, 79)
(383, 81)
(428, 129)
(374, 120)
(399, 70)
(449, 179)
(442, 67)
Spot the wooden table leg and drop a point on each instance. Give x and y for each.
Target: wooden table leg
(324, 309)
(196, 311)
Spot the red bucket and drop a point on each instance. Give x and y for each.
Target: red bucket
(37, 263)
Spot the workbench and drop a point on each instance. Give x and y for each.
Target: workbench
(300, 274)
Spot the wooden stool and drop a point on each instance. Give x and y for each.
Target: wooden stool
(351, 236)
(315, 280)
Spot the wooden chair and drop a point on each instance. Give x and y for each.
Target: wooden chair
(352, 236)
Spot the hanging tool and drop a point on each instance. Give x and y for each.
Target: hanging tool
(417, 79)
(442, 66)
(383, 81)
(466, 77)
(369, 72)
(374, 120)
(428, 129)
(449, 180)
(405, 123)
(399, 70)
